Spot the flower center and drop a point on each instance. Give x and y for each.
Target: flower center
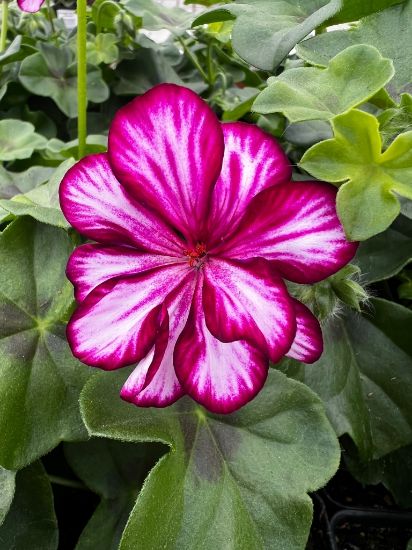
(196, 255)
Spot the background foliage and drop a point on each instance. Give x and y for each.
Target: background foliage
(340, 104)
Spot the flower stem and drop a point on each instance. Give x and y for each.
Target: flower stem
(50, 16)
(100, 9)
(4, 18)
(81, 77)
(209, 57)
(193, 59)
(57, 480)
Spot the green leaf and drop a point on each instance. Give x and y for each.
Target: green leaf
(41, 203)
(307, 133)
(31, 521)
(265, 31)
(388, 31)
(368, 178)
(206, 3)
(18, 140)
(395, 120)
(364, 377)
(157, 17)
(15, 51)
(7, 485)
(147, 69)
(116, 477)
(14, 183)
(353, 10)
(310, 93)
(40, 380)
(387, 470)
(52, 73)
(236, 102)
(237, 480)
(103, 49)
(60, 150)
(386, 254)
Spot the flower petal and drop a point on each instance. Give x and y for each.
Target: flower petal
(295, 226)
(166, 147)
(154, 383)
(253, 161)
(220, 376)
(30, 6)
(116, 324)
(93, 264)
(308, 343)
(97, 205)
(250, 302)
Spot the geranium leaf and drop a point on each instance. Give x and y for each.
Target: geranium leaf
(157, 17)
(241, 478)
(7, 485)
(52, 73)
(368, 178)
(364, 377)
(18, 140)
(265, 31)
(60, 150)
(396, 119)
(386, 30)
(42, 202)
(39, 378)
(15, 183)
(31, 521)
(384, 255)
(15, 51)
(310, 93)
(147, 69)
(116, 477)
(103, 49)
(353, 10)
(386, 470)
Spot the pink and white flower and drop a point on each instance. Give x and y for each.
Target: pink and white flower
(196, 223)
(30, 6)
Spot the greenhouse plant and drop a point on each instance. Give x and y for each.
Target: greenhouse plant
(206, 278)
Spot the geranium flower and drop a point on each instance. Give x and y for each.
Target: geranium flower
(30, 6)
(197, 223)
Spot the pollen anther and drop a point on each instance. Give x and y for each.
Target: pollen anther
(196, 255)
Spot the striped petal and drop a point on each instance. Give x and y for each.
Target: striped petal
(93, 264)
(308, 343)
(253, 161)
(30, 6)
(97, 205)
(153, 383)
(116, 324)
(250, 302)
(220, 376)
(296, 227)
(166, 147)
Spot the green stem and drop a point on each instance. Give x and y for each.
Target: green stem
(81, 77)
(210, 71)
(50, 16)
(100, 11)
(57, 480)
(193, 59)
(4, 18)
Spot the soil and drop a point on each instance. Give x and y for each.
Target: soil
(349, 516)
